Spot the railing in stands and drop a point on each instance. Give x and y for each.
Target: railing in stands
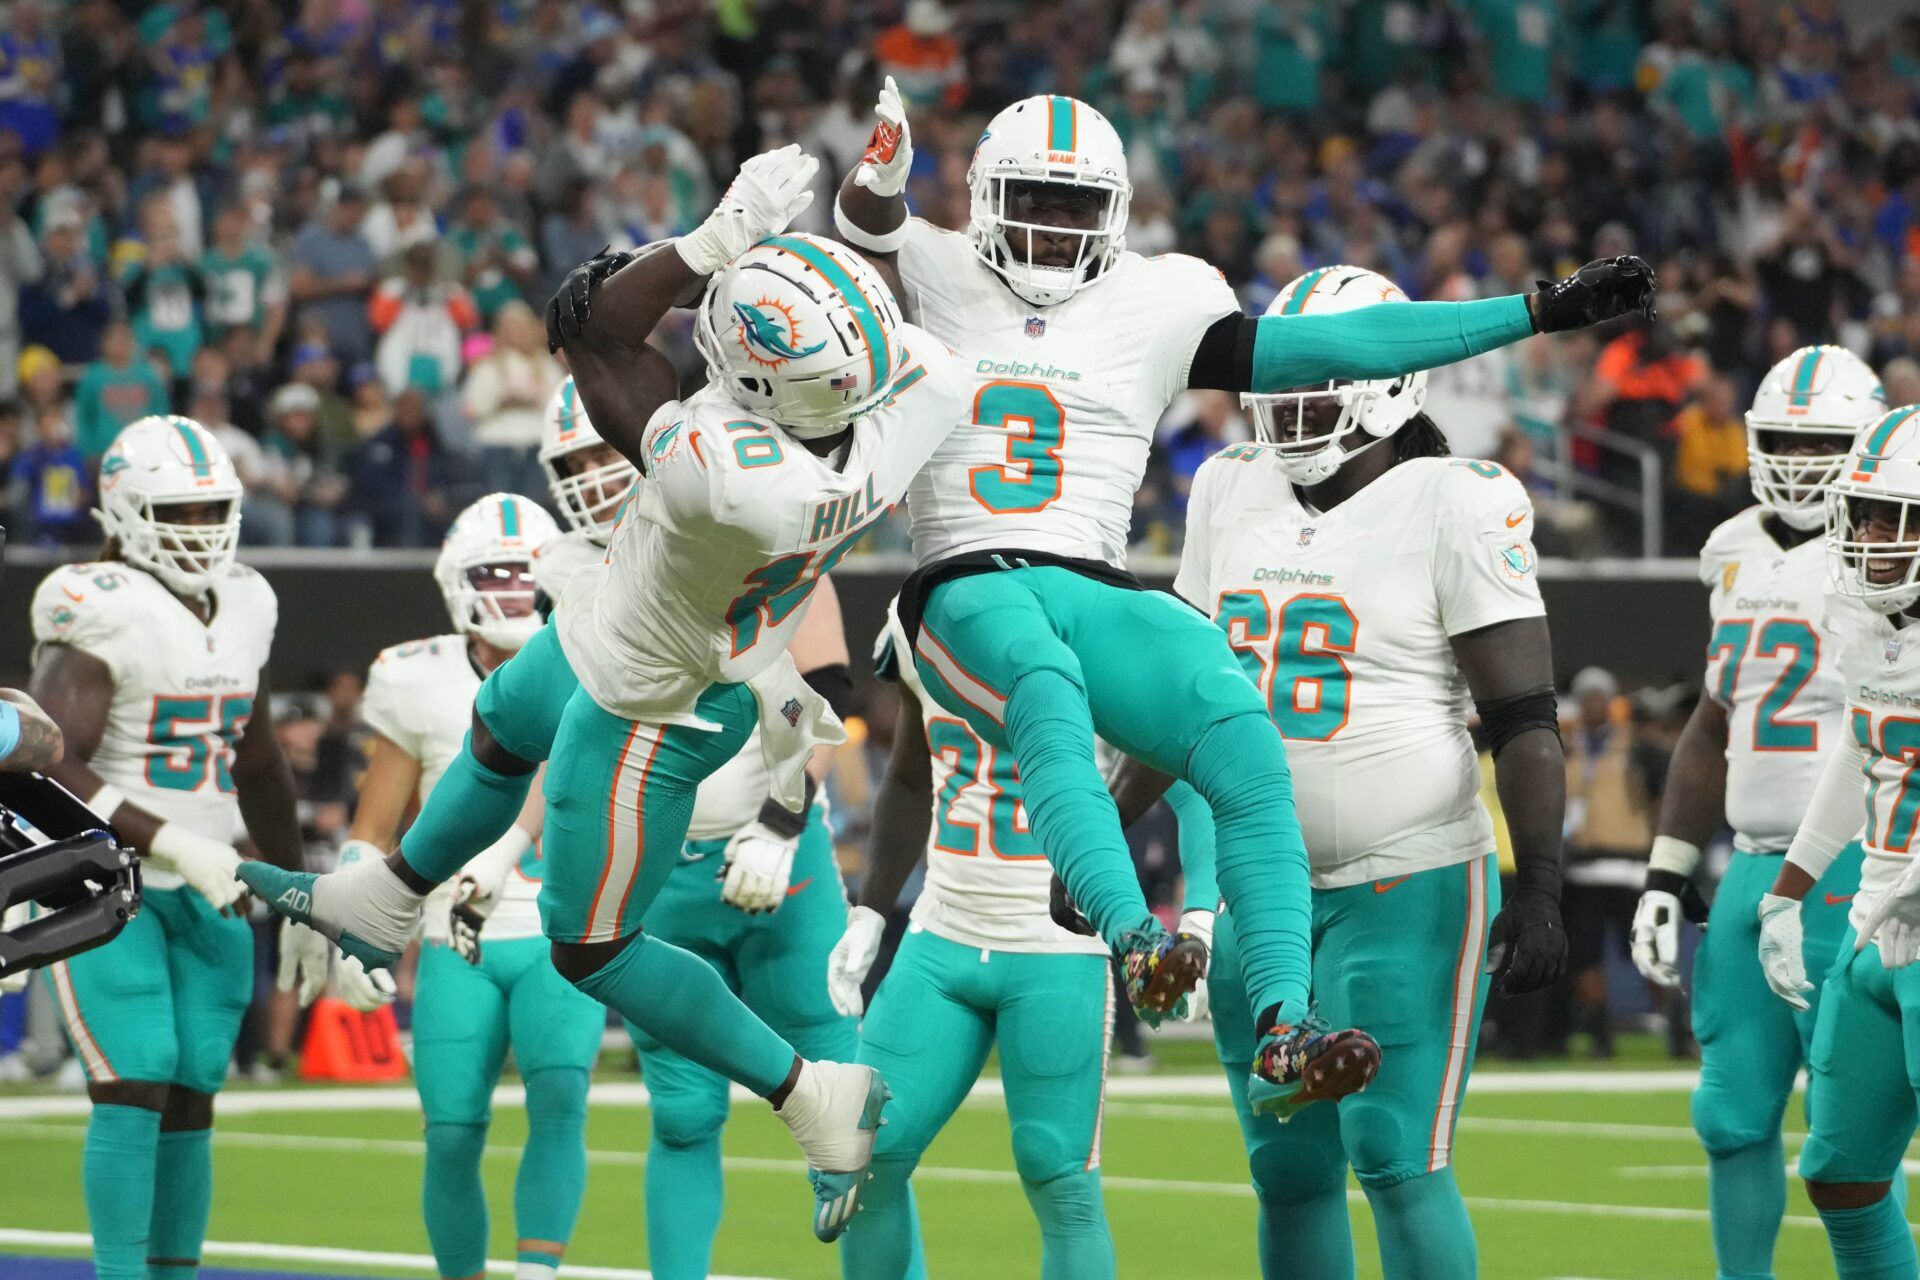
(1646, 501)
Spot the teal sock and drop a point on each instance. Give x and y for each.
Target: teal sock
(453, 1199)
(1240, 767)
(471, 807)
(116, 1173)
(182, 1198)
(1051, 733)
(677, 998)
(553, 1167)
(1747, 1192)
(1306, 1235)
(685, 1194)
(1074, 1241)
(1423, 1229)
(1873, 1243)
(883, 1240)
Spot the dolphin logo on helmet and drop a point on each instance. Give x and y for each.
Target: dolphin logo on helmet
(762, 331)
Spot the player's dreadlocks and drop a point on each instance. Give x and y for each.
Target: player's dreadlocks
(1421, 437)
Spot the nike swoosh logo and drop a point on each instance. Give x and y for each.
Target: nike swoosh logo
(795, 888)
(1517, 519)
(72, 595)
(1834, 900)
(1381, 886)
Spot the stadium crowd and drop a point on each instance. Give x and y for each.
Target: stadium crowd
(326, 228)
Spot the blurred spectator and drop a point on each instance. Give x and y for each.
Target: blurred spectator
(161, 286)
(115, 389)
(266, 518)
(68, 306)
(503, 395)
(333, 275)
(922, 56)
(571, 234)
(19, 266)
(420, 319)
(1609, 828)
(29, 78)
(243, 286)
(497, 264)
(1901, 379)
(1709, 464)
(50, 479)
(308, 481)
(400, 477)
(401, 219)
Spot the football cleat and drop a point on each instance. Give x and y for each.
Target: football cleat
(365, 908)
(1309, 1062)
(833, 1112)
(1160, 969)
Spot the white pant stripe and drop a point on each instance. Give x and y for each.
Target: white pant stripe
(626, 832)
(1466, 986)
(91, 1057)
(969, 690)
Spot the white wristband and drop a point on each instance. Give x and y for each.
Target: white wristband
(860, 238)
(1199, 924)
(106, 801)
(352, 851)
(1671, 853)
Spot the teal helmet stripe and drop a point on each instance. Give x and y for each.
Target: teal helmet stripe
(510, 518)
(202, 464)
(1802, 395)
(1298, 302)
(569, 405)
(1876, 444)
(1061, 124)
(879, 353)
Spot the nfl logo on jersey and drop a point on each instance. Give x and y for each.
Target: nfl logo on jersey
(1306, 536)
(791, 711)
(1036, 327)
(1893, 649)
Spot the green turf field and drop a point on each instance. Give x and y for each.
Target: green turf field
(1587, 1179)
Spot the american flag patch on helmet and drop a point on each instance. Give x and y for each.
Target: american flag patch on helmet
(844, 381)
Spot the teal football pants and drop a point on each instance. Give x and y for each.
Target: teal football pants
(940, 1009)
(1039, 659)
(778, 965)
(465, 1016)
(1404, 958)
(1752, 1045)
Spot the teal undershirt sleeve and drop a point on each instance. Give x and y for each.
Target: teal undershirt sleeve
(1382, 341)
(471, 807)
(1196, 848)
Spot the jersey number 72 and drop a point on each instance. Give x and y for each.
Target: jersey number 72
(1733, 639)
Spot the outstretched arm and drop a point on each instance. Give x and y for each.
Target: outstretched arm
(871, 211)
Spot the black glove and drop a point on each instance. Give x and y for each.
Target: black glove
(1065, 914)
(1527, 947)
(1601, 290)
(572, 305)
(1693, 907)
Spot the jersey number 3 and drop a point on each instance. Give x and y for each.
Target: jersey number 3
(1036, 427)
(1295, 658)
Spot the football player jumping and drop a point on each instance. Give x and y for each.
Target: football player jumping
(1751, 753)
(1865, 1056)
(1023, 621)
(822, 407)
(152, 660)
(1369, 583)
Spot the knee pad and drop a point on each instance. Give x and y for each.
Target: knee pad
(556, 1096)
(1287, 1173)
(1239, 766)
(1728, 1120)
(1377, 1142)
(1041, 1153)
(460, 1143)
(687, 1121)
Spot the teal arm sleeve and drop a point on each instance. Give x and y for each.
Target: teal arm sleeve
(1196, 847)
(1382, 341)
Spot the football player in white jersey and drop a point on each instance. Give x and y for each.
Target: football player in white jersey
(474, 999)
(589, 482)
(982, 965)
(1864, 1062)
(1751, 754)
(821, 408)
(152, 660)
(1370, 584)
(1021, 616)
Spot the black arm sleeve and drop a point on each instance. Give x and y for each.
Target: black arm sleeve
(833, 682)
(1224, 359)
(1504, 719)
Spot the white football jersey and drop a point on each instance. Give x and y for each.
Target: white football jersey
(556, 560)
(1774, 668)
(1342, 618)
(1062, 401)
(183, 690)
(714, 564)
(1880, 670)
(987, 878)
(420, 697)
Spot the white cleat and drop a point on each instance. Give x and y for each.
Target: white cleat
(363, 907)
(834, 1113)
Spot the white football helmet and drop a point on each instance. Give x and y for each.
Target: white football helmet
(1061, 142)
(1873, 515)
(485, 569)
(154, 467)
(1824, 395)
(803, 331)
(589, 498)
(1308, 428)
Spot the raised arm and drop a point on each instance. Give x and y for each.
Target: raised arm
(870, 211)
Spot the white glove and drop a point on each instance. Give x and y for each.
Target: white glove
(1656, 938)
(303, 961)
(1899, 944)
(1894, 921)
(770, 191)
(884, 165)
(476, 891)
(16, 915)
(1782, 956)
(852, 958)
(1198, 924)
(362, 990)
(755, 869)
(206, 865)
